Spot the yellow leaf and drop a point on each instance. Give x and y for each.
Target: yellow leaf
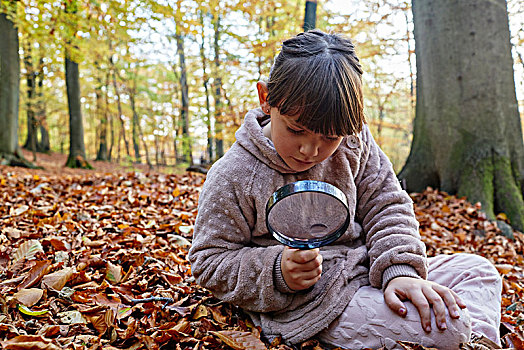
(502, 216)
(27, 311)
(200, 312)
(176, 192)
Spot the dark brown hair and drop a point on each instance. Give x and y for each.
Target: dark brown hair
(318, 77)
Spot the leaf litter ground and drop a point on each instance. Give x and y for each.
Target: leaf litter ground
(98, 260)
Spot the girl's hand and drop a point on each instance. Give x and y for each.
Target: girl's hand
(301, 268)
(423, 294)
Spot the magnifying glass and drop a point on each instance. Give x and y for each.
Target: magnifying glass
(307, 214)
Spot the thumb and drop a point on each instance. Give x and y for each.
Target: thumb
(394, 303)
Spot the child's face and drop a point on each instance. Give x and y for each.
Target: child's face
(299, 147)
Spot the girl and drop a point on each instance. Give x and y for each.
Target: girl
(374, 285)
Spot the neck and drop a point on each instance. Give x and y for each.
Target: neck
(266, 130)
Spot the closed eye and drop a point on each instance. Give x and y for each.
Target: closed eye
(296, 132)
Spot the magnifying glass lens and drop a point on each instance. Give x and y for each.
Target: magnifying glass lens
(307, 214)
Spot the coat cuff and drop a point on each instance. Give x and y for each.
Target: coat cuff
(278, 278)
(400, 270)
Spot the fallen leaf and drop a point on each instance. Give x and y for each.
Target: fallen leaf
(240, 340)
(29, 297)
(57, 280)
(27, 311)
(27, 250)
(29, 342)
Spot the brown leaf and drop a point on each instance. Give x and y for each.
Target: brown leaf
(114, 273)
(27, 250)
(34, 275)
(29, 297)
(57, 280)
(29, 342)
(240, 340)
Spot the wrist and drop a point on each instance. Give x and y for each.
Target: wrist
(278, 277)
(398, 270)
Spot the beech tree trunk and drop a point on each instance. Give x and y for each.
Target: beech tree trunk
(9, 94)
(184, 112)
(310, 18)
(209, 117)
(467, 132)
(77, 151)
(217, 88)
(102, 153)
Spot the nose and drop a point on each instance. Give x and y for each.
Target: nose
(309, 148)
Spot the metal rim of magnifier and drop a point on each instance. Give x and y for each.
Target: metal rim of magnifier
(307, 186)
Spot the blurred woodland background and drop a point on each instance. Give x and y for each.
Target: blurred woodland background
(167, 83)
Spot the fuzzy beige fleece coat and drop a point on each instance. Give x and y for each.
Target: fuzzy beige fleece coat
(235, 257)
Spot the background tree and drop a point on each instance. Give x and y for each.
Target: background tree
(310, 18)
(9, 87)
(77, 152)
(467, 131)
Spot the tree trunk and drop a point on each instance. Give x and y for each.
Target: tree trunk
(467, 132)
(217, 87)
(136, 121)
(77, 151)
(32, 124)
(43, 144)
(208, 120)
(310, 18)
(184, 112)
(9, 94)
(102, 153)
(120, 113)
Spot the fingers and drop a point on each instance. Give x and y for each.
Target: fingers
(394, 303)
(301, 256)
(451, 299)
(420, 301)
(301, 268)
(439, 308)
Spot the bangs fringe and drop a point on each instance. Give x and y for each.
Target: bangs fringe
(322, 91)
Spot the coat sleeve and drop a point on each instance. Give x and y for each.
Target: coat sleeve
(387, 217)
(223, 258)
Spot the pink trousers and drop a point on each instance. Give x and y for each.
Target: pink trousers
(367, 322)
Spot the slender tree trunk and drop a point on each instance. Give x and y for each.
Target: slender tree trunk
(217, 87)
(157, 151)
(467, 130)
(32, 124)
(110, 120)
(136, 121)
(44, 144)
(310, 18)
(77, 152)
(102, 153)
(209, 117)
(9, 94)
(119, 106)
(184, 112)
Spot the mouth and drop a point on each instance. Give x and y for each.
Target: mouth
(301, 161)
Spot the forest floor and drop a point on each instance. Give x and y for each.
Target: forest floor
(97, 259)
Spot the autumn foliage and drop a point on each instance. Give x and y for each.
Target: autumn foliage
(94, 260)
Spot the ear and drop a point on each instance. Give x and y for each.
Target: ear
(262, 96)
